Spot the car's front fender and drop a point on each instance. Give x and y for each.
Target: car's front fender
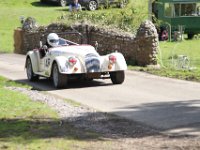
(34, 60)
(66, 68)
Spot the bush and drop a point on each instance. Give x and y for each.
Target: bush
(126, 19)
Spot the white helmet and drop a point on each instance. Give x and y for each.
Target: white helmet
(53, 39)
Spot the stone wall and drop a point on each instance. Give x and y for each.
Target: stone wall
(138, 50)
(147, 44)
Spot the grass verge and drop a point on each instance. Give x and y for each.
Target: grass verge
(25, 124)
(193, 75)
(168, 58)
(10, 12)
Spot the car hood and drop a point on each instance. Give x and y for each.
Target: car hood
(75, 50)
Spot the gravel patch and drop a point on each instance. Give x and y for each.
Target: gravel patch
(122, 133)
(88, 118)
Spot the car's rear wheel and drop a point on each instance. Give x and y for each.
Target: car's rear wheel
(117, 77)
(63, 3)
(29, 71)
(59, 80)
(92, 5)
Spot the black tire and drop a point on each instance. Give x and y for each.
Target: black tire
(59, 80)
(43, 1)
(63, 3)
(88, 79)
(92, 5)
(29, 71)
(190, 35)
(117, 77)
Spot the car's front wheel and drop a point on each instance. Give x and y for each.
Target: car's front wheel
(92, 5)
(29, 71)
(59, 80)
(63, 3)
(117, 77)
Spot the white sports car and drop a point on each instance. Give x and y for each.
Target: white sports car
(70, 60)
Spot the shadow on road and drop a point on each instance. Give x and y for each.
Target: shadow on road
(168, 116)
(98, 125)
(89, 126)
(161, 116)
(47, 84)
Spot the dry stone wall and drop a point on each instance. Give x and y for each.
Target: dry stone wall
(148, 43)
(138, 50)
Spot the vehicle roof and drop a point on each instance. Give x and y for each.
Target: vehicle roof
(177, 1)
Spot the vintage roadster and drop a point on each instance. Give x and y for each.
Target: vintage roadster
(66, 60)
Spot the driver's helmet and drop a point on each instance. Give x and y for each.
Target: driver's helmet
(53, 39)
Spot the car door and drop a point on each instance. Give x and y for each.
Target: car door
(47, 63)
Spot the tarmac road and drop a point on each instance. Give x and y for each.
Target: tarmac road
(170, 105)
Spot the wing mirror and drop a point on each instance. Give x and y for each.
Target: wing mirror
(44, 47)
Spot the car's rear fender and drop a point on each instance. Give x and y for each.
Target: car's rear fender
(120, 63)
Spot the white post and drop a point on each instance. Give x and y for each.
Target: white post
(150, 10)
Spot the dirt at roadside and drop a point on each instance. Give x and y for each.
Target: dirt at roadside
(111, 132)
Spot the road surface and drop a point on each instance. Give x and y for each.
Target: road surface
(167, 104)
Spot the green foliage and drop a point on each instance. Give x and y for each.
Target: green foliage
(127, 19)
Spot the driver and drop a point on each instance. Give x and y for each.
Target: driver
(52, 40)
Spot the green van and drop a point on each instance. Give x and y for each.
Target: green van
(178, 14)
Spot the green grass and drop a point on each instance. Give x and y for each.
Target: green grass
(25, 124)
(20, 104)
(10, 12)
(193, 75)
(19, 115)
(190, 48)
(169, 50)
